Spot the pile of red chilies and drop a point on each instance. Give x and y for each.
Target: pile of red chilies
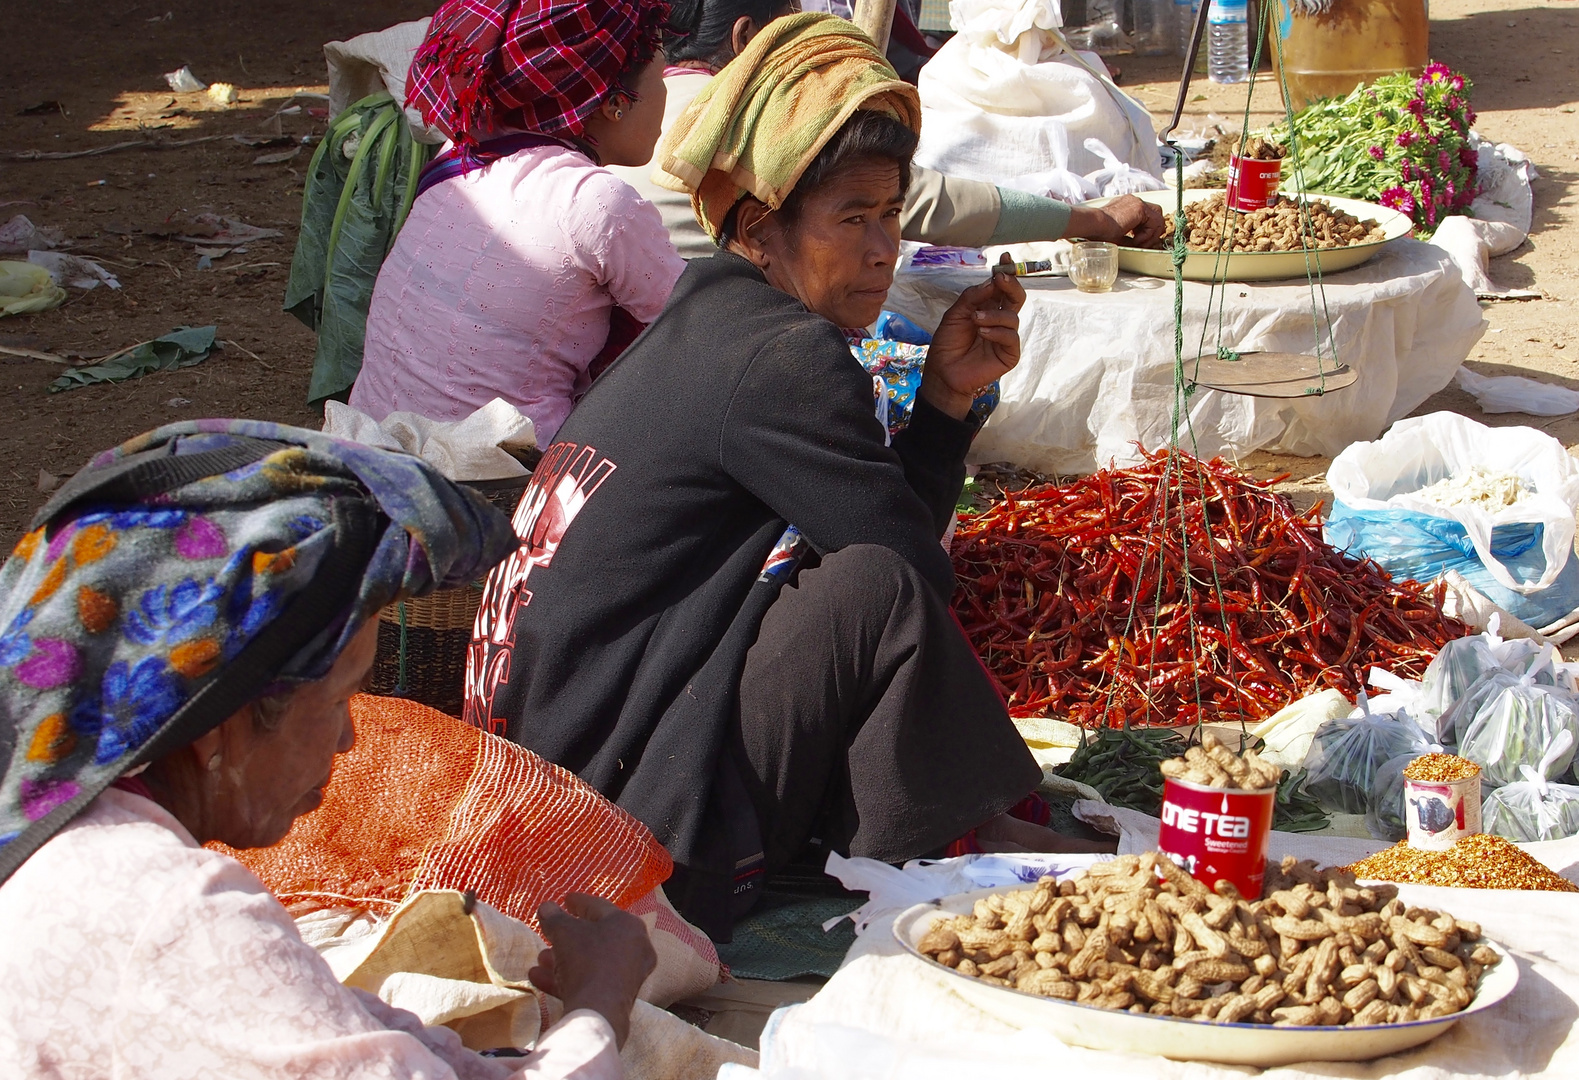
(1087, 602)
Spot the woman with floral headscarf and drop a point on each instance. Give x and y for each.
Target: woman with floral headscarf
(524, 266)
(180, 634)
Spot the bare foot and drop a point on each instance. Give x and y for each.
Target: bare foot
(1007, 834)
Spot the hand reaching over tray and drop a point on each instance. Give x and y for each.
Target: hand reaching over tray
(1127, 220)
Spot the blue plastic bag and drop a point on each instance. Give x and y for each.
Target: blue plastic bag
(1419, 546)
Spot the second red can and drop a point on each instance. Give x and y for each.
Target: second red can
(1217, 833)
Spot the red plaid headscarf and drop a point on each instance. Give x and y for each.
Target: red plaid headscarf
(528, 64)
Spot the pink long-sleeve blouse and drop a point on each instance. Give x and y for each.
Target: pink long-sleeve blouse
(500, 284)
(129, 951)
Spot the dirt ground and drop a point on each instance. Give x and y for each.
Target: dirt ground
(91, 77)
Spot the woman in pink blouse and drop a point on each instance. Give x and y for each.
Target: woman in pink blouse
(525, 265)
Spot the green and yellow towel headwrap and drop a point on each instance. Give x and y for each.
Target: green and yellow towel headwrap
(762, 120)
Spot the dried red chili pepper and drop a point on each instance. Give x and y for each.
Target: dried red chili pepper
(1133, 593)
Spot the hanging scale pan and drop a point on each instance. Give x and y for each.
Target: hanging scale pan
(1254, 374)
(1274, 375)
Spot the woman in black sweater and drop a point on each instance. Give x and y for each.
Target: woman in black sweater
(745, 691)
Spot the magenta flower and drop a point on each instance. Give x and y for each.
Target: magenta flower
(1398, 198)
(1376, 153)
(1436, 70)
(1406, 138)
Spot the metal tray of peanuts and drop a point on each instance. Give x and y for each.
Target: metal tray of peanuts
(1179, 910)
(1262, 265)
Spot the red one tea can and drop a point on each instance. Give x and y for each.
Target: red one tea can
(1217, 833)
(1252, 183)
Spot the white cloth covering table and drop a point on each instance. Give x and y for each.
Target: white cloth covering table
(888, 1015)
(1096, 370)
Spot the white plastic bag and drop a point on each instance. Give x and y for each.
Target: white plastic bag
(1457, 667)
(1288, 733)
(1518, 726)
(476, 447)
(1514, 393)
(1533, 808)
(1347, 755)
(1004, 98)
(1060, 184)
(1117, 177)
(1381, 477)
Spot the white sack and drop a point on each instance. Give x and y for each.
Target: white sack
(470, 449)
(1417, 452)
(1471, 243)
(1504, 173)
(1470, 606)
(1004, 99)
(1500, 218)
(1096, 371)
(378, 61)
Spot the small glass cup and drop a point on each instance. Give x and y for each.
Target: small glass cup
(1093, 265)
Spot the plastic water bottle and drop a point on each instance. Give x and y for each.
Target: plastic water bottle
(1228, 56)
(1184, 12)
(1156, 27)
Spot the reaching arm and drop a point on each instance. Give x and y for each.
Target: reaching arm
(943, 209)
(948, 210)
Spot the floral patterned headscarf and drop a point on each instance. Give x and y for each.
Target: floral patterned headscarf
(190, 570)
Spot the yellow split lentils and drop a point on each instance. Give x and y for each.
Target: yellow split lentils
(1481, 861)
(1440, 768)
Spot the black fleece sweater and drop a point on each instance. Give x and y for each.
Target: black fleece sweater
(612, 642)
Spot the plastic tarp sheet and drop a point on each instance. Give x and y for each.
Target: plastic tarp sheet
(1096, 370)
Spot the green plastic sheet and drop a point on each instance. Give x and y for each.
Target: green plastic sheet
(180, 348)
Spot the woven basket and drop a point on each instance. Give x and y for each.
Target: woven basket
(422, 642)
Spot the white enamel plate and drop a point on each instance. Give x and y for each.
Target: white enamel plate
(1187, 1040)
(1261, 265)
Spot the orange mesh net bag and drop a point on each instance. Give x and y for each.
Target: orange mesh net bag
(424, 801)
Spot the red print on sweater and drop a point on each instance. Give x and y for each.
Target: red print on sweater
(564, 480)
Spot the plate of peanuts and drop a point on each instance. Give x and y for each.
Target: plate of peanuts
(1135, 955)
(1347, 233)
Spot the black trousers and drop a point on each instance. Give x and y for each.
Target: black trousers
(866, 719)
